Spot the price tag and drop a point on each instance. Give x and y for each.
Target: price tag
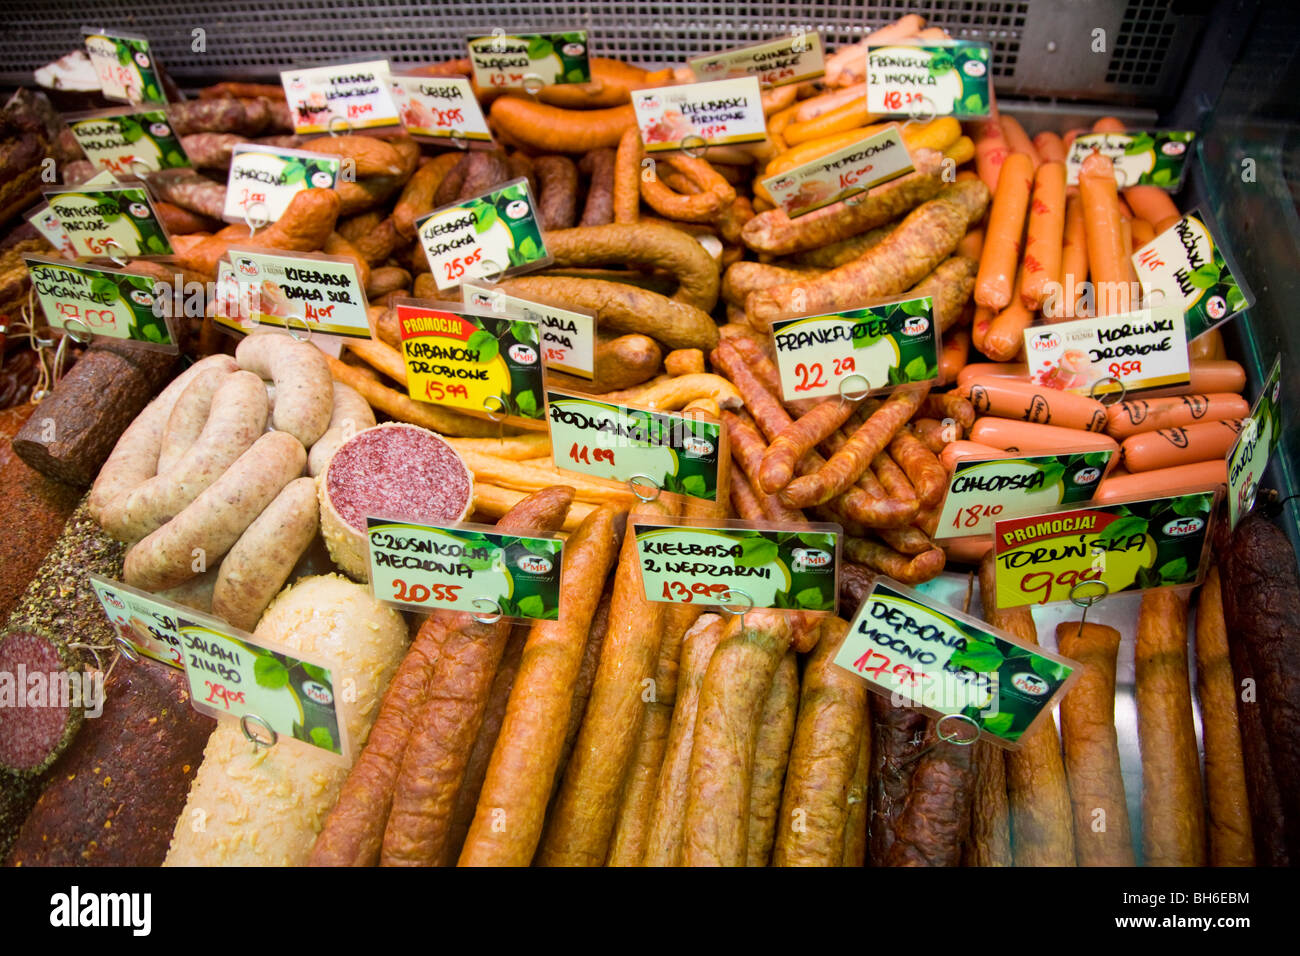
(465, 567)
(1250, 453)
(1159, 542)
(110, 221)
(696, 115)
(870, 350)
(304, 290)
(679, 454)
(350, 96)
(986, 489)
(90, 301)
(1141, 350)
(129, 142)
(143, 621)
(841, 174)
(45, 222)
(529, 61)
(568, 337)
(481, 364)
(125, 66)
(495, 234)
(264, 179)
(1156, 158)
(949, 663)
(790, 59)
(740, 564)
(442, 108)
(1186, 266)
(234, 674)
(932, 79)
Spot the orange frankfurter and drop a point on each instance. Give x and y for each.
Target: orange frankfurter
(1143, 232)
(1011, 370)
(1046, 235)
(1154, 205)
(556, 130)
(1051, 148)
(959, 451)
(956, 350)
(1202, 476)
(1011, 435)
(1105, 235)
(1109, 124)
(1179, 446)
(993, 283)
(1074, 262)
(1208, 375)
(990, 152)
(1034, 403)
(1207, 347)
(1005, 335)
(968, 551)
(1018, 140)
(1148, 415)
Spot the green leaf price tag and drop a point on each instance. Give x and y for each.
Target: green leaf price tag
(931, 79)
(145, 622)
(264, 179)
(465, 567)
(128, 142)
(108, 221)
(744, 565)
(350, 96)
(304, 290)
(1141, 158)
(442, 108)
(700, 114)
(125, 66)
(90, 301)
(791, 59)
(529, 61)
(1186, 266)
(1250, 453)
(984, 490)
(486, 237)
(869, 350)
(1142, 350)
(1135, 546)
(949, 663)
(678, 453)
(568, 336)
(841, 174)
(485, 365)
(233, 674)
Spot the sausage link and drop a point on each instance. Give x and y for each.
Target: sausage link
(771, 757)
(189, 415)
(558, 202)
(598, 165)
(303, 387)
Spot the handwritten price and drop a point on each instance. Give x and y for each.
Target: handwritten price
(506, 79)
(1120, 369)
(1048, 583)
(901, 672)
(896, 100)
(586, 455)
(218, 694)
(95, 318)
(814, 376)
(456, 267)
(972, 516)
(419, 594)
(250, 197)
(685, 593)
(437, 391)
(711, 132)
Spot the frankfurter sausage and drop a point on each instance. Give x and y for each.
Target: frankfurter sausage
(1010, 435)
(959, 451)
(552, 129)
(1091, 747)
(993, 284)
(1202, 476)
(1152, 204)
(1034, 403)
(772, 753)
(1179, 446)
(1050, 147)
(1018, 140)
(1173, 811)
(990, 152)
(1005, 336)
(1101, 219)
(1074, 263)
(1045, 238)
(956, 351)
(1125, 419)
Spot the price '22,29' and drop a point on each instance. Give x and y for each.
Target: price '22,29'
(814, 375)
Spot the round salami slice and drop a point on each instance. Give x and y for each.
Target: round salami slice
(390, 470)
(40, 705)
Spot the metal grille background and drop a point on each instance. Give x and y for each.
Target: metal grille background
(1041, 47)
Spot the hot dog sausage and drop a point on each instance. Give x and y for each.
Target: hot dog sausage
(1202, 476)
(1034, 403)
(1179, 446)
(1125, 419)
(1017, 436)
(993, 284)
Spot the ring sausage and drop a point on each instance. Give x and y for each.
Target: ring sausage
(189, 415)
(303, 387)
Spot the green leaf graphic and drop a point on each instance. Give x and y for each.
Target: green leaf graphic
(532, 606)
(915, 370)
(1189, 505)
(810, 598)
(484, 217)
(1048, 669)
(1204, 277)
(486, 344)
(525, 332)
(527, 404)
(269, 672)
(998, 723)
(695, 486)
(321, 737)
(1123, 528)
(978, 656)
(1174, 572)
(755, 552)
